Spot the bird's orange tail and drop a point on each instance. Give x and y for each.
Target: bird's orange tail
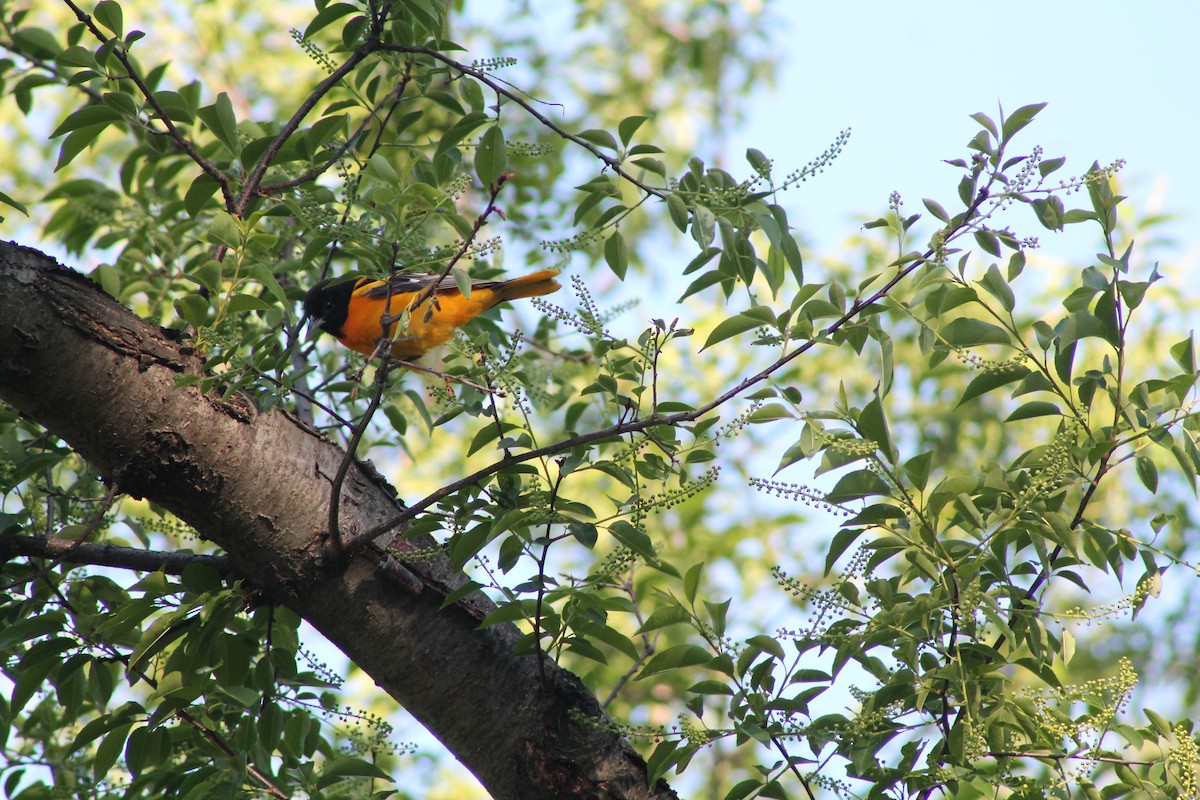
(535, 285)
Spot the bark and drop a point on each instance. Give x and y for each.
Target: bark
(258, 485)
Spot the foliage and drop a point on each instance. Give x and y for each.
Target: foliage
(978, 451)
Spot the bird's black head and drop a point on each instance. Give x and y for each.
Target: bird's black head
(328, 303)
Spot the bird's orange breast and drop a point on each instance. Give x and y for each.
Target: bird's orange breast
(363, 327)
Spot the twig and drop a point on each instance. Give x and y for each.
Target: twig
(254, 179)
(208, 733)
(499, 88)
(392, 97)
(335, 490)
(118, 50)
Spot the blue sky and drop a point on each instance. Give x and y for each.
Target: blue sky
(1120, 79)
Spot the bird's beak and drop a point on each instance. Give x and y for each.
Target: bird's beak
(309, 326)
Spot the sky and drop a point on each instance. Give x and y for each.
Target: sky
(1121, 81)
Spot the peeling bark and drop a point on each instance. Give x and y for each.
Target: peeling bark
(258, 485)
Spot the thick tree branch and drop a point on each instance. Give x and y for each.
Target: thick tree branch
(258, 486)
(70, 551)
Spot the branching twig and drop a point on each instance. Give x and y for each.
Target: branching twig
(369, 45)
(134, 669)
(499, 88)
(118, 50)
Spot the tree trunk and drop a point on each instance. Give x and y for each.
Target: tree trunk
(258, 486)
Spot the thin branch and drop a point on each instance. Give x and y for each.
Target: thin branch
(208, 733)
(481, 220)
(118, 50)
(1076, 756)
(254, 179)
(339, 479)
(393, 97)
(499, 88)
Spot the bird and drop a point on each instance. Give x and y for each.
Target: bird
(353, 308)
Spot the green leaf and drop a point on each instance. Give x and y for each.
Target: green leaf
(988, 241)
(662, 759)
(1147, 473)
(987, 381)
(732, 327)
(600, 138)
(327, 15)
(985, 121)
(1036, 408)
(109, 749)
(221, 120)
(759, 162)
(199, 193)
(611, 637)
(917, 469)
(241, 303)
(1019, 119)
(460, 130)
(162, 632)
(1184, 353)
(75, 142)
(339, 769)
(855, 486)
(108, 14)
(703, 282)
(767, 644)
(691, 581)
(966, 332)
(998, 288)
(1160, 723)
(678, 211)
(710, 687)
(677, 657)
(633, 538)
(664, 616)
(872, 424)
(616, 254)
(8, 201)
(224, 229)
(37, 42)
(628, 127)
(936, 209)
(99, 116)
(491, 156)
(1050, 211)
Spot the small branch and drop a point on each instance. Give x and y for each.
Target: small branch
(1076, 756)
(132, 669)
(392, 97)
(499, 88)
(481, 220)
(254, 179)
(118, 50)
(335, 491)
(138, 559)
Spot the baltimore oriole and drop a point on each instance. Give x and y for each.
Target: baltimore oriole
(352, 308)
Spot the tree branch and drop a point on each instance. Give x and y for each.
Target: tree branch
(257, 485)
(71, 551)
(118, 50)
